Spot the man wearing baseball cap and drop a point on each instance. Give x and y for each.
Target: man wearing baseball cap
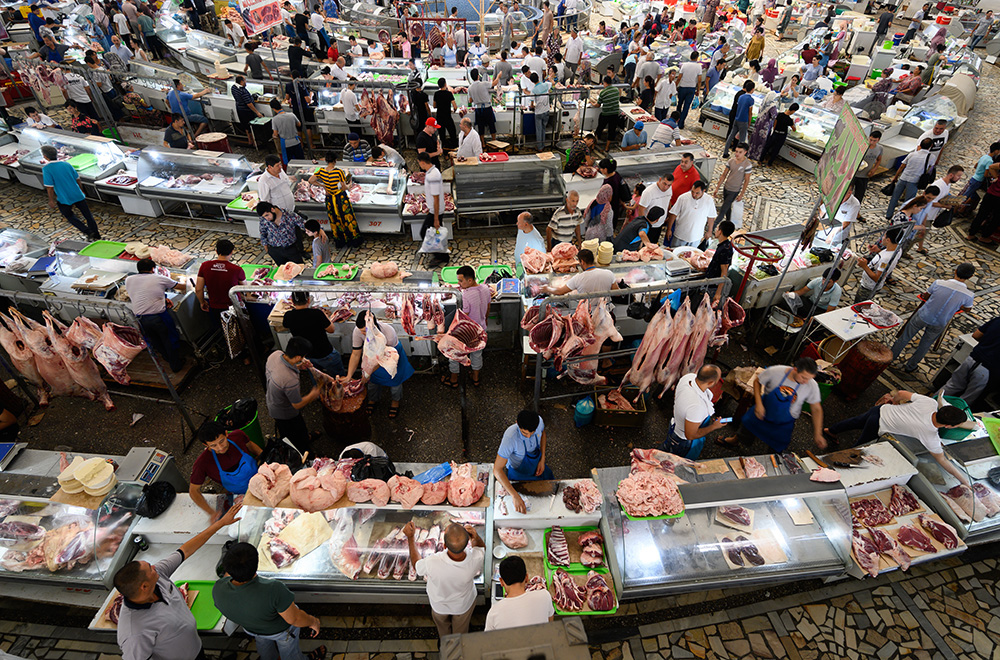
(635, 139)
(428, 142)
(357, 150)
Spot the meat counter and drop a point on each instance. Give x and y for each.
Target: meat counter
(357, 553)
(520, 182)
(93, 157)
(178, 176)
(786, 527)
(715, 110)
(601, 54)
(152, 81)
(205, 49)
(901, 137)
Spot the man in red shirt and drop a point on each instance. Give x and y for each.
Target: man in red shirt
(228, 459)
(218, 276)
(808, 53)
(685, 175)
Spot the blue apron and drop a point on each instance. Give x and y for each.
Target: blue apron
(526, 470)
(690, 449)
(403, 370)
(236, 482)
(776, 427)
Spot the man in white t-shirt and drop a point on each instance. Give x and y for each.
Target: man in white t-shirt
(693, 413)
(451, 576)
(688, 83)
(909, 414)
(847, 214)
(657, 194)
(939, 137)
(591, 280)
(434, 196)
(691, 217)
(876, 270)
(519, 607)
(234, 32)
(574, 51)
(934, 206)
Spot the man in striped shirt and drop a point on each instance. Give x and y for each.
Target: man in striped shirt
(609, 100)
(564, 227)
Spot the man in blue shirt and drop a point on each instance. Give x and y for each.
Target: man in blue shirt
(741, 120)
(635, 139)
(713, 76)
(944, 299)
(979, 176)
(60, 180)
(521, 456)
(36, 21)
(812, 72)
(179, 99)
(971, 378)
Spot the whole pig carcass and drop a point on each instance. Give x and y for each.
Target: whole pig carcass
(51, 367)
(375, 352)
(646, 360)
(22, 357)
(463, 338)
(117, 347)
(78, 362)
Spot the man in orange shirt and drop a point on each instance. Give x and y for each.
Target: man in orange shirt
(685, 175)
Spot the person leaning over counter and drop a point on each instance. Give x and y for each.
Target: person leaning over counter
(155, 621)
(313, 325)
(591, 280)
(636, 234)
(905, 413)
(521, 456)
(694, 413)
(146, 292)
(969, 381)
(229, 459)
(284, 398)
(779, 393)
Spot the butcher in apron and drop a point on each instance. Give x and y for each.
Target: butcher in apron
(779, 393)
(693, 405)
(233, 471)
(380, 377)
(521, 456)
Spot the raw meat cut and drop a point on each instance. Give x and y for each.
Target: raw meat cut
(557, 548)
(464, 489)
(592, 537)
(568, 594)
(534, 261)
(117, 347)
(115, 610)
(279, 520)
(616, 401)
(944, 533)
(22, 357)
(592, 556)
(749, 551)
(888, 546)
(564, 258)
(463, 338)
(535, 583)
(736, 514)
(599, 595)
(646, 360)
(271, 484)
(375, 352)
(866, 553)
(546, 335)
(408, 315)
(965, 499)
(435, 493)
(168, 257)
(282, 554)
(375, 555)
(645, 460)
(630, 255)
(578, 334)
(383, 270)
(67, 546)
(571, 499)
(732, 551)
(50, 366)
(650, 493)
(513, 537)
(19, 532)
(289, 271)
(590, 496)
(986, 498)
(870, 512)
(825, 475)
(902, 501)
(752, 468)
(78, 362)
(375, 491)
(383, 119)
(84, 333)
(602, 329)
(312, 492)
(406, 491)
(673, 356)
(911, 536)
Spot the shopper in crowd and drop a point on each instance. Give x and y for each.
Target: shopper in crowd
(151, 307)
(657, 195)
(285, 131)
(527, 236)
(598, 218)
(540, 91)
(61, 182)
(156, 622)
(783, 123)
(444, 106)
(938, 135)
(428, 142)
(176, 135)
(694, 413)
(519, 607)
(665, 91)
(712, 77)
(609, 101)
(573, 54)
(969, 381)
(876, 269)
(435, 200)
(779, 393)
(935, 194)
(988, 218)
(265, 608)
(685, 175)
(339, 208)
(123, 52)
(591, 280)
(944, 299)
(906, 180)
(564, 226)
(470, 145)
(692, 216)
(246, 108)
(983, 25)
(216, 277)
(735, 180)
(884, 22)
(580, 154)
(380, 378)
(284, 397)
(608, 168)
(179, 100)
(476, 305)
(978, 178)
(312, 324)
(915, 23)
(229, 459)
(278, 233)
(451, 576)
(299, 97)
(912, 211)
(274, 186)
(320, 243)
(722, 259)
(905, 413)
(521, 456)
(871, 161)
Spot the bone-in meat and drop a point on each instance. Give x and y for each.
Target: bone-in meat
(568, 594)
(870, 512)
(902, 501)
(942, 532)
(513, 537)
(736, 514)
(535, 583)
(435, 493)
(17, 532)
(464, 488)
(375, 491)
(650, 493)
(117, 347)
(558, 548)
(866, 553)
(592, 556)
(752, 468)
(406, 491)
(590, 496)
(888, 546)
(987, 498)
(282, 554)
(963, 501)
(600, 598)
(271, 484)
(910, 536)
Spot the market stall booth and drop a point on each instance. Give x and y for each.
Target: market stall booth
(518, 182)
(93, 157)
(175, 178)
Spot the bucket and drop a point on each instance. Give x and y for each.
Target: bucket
(112, 133)
(252, 429)
(897, 38)
(583, 411)
(824, 391)
(943, 20)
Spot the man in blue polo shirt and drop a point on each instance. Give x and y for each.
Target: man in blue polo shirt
(60, 181)
(741, 119)
(944, 299)
(179, 99)
(634, 139)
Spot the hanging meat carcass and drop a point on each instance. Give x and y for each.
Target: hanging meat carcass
(705, 323)
(463, 338)
(51, 367)
(376, 353)
(84, 333)
(579, 335)
(384, 119)
(603, 328)
(732, 316)
(22, 357)
(78, 362)
(117, 347)
(674, 354)
(547, 335)
(407, 315)
(646, 360)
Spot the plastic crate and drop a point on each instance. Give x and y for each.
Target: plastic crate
(630, 418)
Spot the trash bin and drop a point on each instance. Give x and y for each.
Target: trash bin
(251, 428)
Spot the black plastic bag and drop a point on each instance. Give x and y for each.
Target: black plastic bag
(622, 299)
(888, 188)
(373, 467)
(944, 219)
(155, 499)
(277, 451)
(239, 414)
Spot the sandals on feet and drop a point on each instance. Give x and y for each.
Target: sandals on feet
(317, 653)
(393, 411)
(447, 382)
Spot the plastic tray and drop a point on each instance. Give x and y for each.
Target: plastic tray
(574, 565)
(449, 274)
(206, 615)
(103, 249)
(663, 517)
(248, 270)
(601, 571)
(238, 204)
(82, 161)
(498, 157)
(343, 278)
(484, 271)
(858, 307)
(992, 425)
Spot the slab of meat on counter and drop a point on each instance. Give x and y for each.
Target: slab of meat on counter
(645, 494)
(600, 598)
(569, 596)
(282, 554)
(169, 257)
(271, 484)
(888, 546)
(866, 553)
(963, 502)
(912, 537)
(19, 532)
(513, 537)
(558, 548)
(903, 501)
(752, 468)
(870, 512)
(435, 493)
(592, 556)
(942, 532)
(289, 271)
(736, 514)
(535, 583)
(987, 498)
(590, 495)
(375, 491)
(406, 491)
(464, 487)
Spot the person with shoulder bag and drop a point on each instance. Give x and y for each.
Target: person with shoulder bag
(914, 173)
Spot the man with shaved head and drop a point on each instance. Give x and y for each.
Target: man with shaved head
(450, 576)
(693, 413)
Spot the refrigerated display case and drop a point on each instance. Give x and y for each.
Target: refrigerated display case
(807, 140)
(153, 81)
(93, 157)
(377, 194)
(198, 177)
(924, 115)
(520, 182)
(801, 529)
(601, 53)
(715, 111)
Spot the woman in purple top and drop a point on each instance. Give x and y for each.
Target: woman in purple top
(476, 304)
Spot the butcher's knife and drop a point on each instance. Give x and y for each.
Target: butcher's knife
(816, 458)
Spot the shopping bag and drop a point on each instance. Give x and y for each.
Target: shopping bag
(888, 188)
(944, 219)
(232, 333)
(737, 214)
(435, 241)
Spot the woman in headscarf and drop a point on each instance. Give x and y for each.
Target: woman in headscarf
(881, 88)
(938, 38)
(769, 73)
(598, 220)
(762, 128)
(756, 46)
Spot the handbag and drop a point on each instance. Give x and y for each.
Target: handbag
(232, 333)
(155, 499)
(944, 219)
(927, 177)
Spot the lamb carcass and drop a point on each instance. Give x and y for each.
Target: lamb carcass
(117, 347)
(78, 362)
(22, 357)
(603, 328)
(375, 491)
(732, 316)
(547, 335)
(271, 484)
(645, 460)
(705, 323)
(408, 315)
(534, 261)
(673, 356)
(464, 488)
(376, 353)
(406, 491)
(463, 338)
(50, 366)
(84, 333)
(579, 335)
(434, 493)
(646, 360)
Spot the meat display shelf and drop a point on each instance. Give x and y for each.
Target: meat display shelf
(170, 175)
(521, 182)
(97, 157)
(377, 194)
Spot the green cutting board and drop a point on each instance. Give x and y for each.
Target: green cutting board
(206, 615)
(82, 161)
(103, 249)
(349, 276)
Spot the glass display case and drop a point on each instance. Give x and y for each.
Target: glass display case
(170, 26)
(647, 166)
(210, 42)
(925, 114)
(93, 157)
(372, 189)
(813, 128)
(42, 540)
(719, 101)
(202, 177)
(787, 528)
(521, 182)
(601, 52)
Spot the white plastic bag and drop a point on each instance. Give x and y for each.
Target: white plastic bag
(794, 302)
(435, 240)
(737, 214)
